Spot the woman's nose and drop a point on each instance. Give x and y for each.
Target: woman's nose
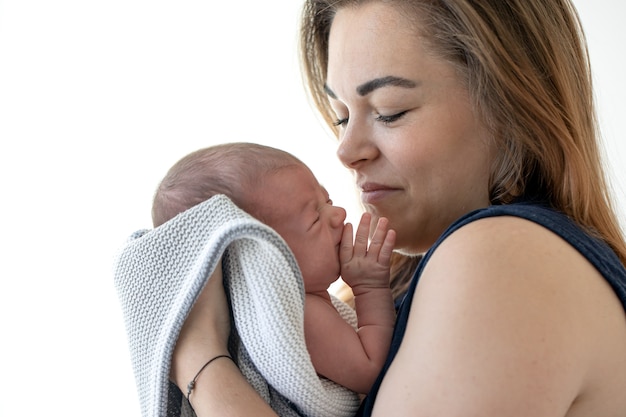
(355, 146)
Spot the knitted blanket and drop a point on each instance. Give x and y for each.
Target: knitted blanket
(159, 274)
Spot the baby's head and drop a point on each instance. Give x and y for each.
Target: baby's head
(236, 170)
(273, 186)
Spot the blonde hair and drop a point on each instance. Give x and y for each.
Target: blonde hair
(526, 67)
(236, 170)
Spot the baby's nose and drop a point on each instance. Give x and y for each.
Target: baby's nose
(339, 216)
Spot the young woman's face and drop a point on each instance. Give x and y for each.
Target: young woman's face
(301, 211)
(420, 155)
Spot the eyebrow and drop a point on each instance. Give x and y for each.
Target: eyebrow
(369, 86)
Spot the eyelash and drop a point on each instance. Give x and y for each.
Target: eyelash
(380, 118)
(390, 119)
(340, 122)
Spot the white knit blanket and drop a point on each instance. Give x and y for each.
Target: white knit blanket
(159, 274)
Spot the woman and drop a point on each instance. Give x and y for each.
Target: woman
(470, 126)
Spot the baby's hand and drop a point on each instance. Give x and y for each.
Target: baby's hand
(363, 266)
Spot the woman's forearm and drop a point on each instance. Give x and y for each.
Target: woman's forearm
(219, 389)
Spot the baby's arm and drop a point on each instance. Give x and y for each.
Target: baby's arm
(354, 359)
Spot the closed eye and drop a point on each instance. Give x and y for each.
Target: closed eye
(316, 221)
(390, 119)
(340, 122)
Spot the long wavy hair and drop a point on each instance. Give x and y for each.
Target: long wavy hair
(526, 66)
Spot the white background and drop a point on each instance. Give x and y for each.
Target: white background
(97, 100)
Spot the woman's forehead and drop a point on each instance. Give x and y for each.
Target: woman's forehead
(362, 47)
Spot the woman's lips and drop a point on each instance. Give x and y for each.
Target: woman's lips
(372, 193)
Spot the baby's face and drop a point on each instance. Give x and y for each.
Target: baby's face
(305, 217)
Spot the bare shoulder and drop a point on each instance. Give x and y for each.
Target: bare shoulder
(509, 319)
(511, 251)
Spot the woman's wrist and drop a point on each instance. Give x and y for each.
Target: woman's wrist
(192, 384)
(187, 362)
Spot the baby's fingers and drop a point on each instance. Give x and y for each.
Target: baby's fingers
(382, 242)
(345, 249)
(362, 235)
(384, 257)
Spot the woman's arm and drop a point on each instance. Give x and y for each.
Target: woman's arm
(220, 389)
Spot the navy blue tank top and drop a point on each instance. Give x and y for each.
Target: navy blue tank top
(596, 252)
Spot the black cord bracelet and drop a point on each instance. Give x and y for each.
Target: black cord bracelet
(192, 384)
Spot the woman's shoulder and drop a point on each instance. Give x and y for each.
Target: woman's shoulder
(527, 245)
(503, 237)
(489, 250)
(529, 230)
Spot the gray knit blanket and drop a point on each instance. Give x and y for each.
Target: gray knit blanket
(159, 274)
